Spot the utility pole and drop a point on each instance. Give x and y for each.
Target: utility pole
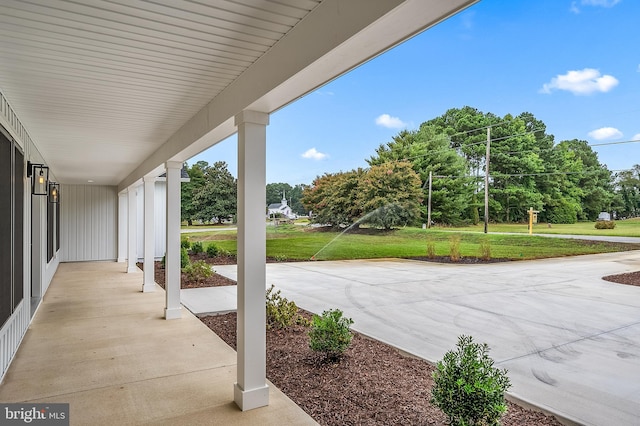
(486, 183)
(429, 202)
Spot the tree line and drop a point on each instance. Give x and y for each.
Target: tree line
(564, 181)
(212, 191)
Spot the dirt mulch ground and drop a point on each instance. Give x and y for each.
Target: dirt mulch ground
(374, 384)
(630, 278)
(214, 280)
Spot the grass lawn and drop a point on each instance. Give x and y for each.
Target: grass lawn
(298, 242)
(624, 228)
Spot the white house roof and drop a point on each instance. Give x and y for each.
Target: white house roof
(110, 89)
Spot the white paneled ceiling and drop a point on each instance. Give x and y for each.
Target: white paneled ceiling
(124, 75)
(110, 89)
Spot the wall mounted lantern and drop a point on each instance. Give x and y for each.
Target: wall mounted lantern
(54, 192)
(39, 174)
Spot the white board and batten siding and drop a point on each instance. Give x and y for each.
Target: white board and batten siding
(89, 222)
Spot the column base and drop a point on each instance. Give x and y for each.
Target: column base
(122, 259)
(172, 313)
(133, 269)
(250, 399)
(148, 288)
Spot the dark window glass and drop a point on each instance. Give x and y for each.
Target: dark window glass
(18, 229)
(50, 210)
(5, 228)
(58, 224)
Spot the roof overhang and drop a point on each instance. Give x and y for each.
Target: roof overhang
(109, 91)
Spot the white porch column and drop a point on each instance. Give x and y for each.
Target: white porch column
(172, 260)
(149, 283)
(251, 390)
(132, 230)
(122, 227)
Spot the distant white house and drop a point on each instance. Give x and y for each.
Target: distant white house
(281, 208)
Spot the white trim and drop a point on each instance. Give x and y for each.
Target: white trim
(172, 259)
(149, 283)
(251, 390)
(132, 230)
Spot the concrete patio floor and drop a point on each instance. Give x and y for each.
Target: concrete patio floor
(100, 344)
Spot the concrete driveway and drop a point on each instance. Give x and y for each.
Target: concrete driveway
(570, 340)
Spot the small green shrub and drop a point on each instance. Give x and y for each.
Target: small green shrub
(212, 250)
(196, 247)
(330, 333)
(280, 257)
(605, 224)
(198, 271)
(485, 249)
(431, 248)
(224, 252)
(281, 313)
(184, 258)
(185, 243)
(454, 248)
(467, 387)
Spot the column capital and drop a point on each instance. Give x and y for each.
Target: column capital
(255, 117)
(146, 179)
(173, 164)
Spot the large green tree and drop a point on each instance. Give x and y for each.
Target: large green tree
(514, 162)
(384, 196)
(217, 198)
(429, 151)
(390, 195)
(333, 198)
(188, 189)
(595, 180)
(628, 193)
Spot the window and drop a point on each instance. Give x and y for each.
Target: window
(11, 226)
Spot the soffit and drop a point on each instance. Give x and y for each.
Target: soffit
(111, 89)
(100, 85)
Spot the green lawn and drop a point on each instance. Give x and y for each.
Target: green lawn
(297, 242)
(624, 228)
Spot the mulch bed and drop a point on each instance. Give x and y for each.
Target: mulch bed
(373, 384)
(630, 278)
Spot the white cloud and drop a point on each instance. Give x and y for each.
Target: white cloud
(582, 82)
(313, 154)
(636, 137)
(605, 133)
(385, 120)
(603, 3)
(598, 3)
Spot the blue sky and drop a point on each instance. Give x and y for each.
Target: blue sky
(574, 64)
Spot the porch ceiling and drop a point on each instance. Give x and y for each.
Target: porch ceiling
(109, 89)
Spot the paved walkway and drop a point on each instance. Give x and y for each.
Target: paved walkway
(570, 340)
(102, 346)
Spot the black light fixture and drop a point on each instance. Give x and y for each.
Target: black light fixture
(39, 174)
(54, 192)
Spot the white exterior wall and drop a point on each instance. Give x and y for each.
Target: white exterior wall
(89, 222)
(160, 219)
(14, 329)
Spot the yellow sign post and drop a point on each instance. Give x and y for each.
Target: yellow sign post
(532, 213)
